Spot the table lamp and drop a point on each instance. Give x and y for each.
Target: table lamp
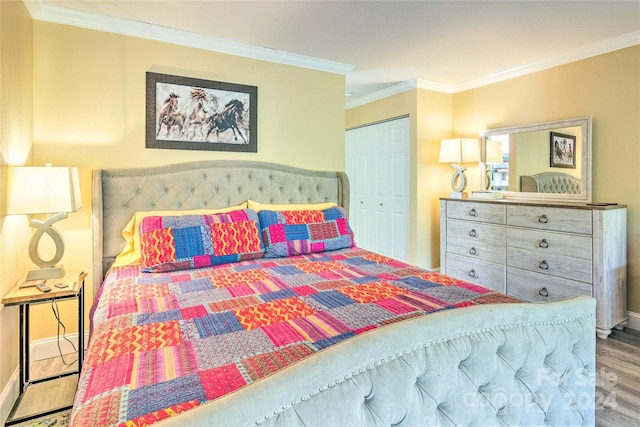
(493, 155)
(40, 190)
(456, 151)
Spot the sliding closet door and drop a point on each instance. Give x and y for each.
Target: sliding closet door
(377, 163)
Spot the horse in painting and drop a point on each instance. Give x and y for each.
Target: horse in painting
(196, 113)
(228, 118)
(169, 115)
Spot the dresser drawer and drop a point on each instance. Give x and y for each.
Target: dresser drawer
(473, 211)
(554, 265)
(547, 244)
(485, 274)
(530, 286)
(550, 218)
(476, 240)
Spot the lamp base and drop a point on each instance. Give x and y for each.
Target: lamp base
(45, 273)
(458, 195)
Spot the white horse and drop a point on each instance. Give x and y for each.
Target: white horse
(196, 112)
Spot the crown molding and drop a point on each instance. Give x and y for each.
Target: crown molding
(585, 52)
(595, 49)
(399, 88)
(42, 12)
(77, 18)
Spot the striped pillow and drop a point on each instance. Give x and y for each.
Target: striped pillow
(287, 233)
(169, 243)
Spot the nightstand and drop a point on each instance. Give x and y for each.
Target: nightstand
(25, 297)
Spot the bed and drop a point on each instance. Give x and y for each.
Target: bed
(306, 333)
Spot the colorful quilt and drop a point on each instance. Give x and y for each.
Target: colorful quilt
(164, 343)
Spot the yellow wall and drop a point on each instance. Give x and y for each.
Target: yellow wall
(16, 94)
(605, 87)
(89, 111)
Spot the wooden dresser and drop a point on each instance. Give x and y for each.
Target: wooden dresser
(539, 251)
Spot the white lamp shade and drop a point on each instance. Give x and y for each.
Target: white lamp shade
(46, 189)
(459, 150)
(494, 152)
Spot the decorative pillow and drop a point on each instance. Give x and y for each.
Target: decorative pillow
(257, 206)
(170, 243)
(287, 233)
(131, 252)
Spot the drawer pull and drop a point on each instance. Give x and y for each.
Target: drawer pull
(473, 251)
(543, 244)
(473, 212)
(543, 265)
(472, 273)
(543, 292)
(543, 219)
(473, 233)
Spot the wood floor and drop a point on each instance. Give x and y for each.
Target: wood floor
(617, 380)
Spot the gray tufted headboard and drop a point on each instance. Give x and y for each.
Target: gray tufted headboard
(550, 182)
(118, 193)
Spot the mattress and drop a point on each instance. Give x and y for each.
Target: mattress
(165, 343)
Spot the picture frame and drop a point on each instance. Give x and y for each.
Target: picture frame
(184, 113)
(562, 150)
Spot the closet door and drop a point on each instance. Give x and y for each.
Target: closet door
(377, 163)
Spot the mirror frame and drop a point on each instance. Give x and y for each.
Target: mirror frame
(583, 122)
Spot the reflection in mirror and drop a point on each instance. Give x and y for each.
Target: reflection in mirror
(541, 161)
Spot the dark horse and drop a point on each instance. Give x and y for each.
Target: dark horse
(227, 119)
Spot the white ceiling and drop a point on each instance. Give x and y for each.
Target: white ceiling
(380, 46)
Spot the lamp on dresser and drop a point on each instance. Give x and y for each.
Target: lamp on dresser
(492, 156)
(45, 190)
(456, 151)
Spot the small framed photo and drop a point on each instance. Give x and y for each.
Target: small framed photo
(185, 113)
(562, 151)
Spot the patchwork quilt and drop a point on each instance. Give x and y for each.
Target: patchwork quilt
(165, 343)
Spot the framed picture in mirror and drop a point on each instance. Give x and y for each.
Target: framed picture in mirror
(562, 150)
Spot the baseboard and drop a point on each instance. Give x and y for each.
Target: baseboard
(634, 320)
(9, 395)
(48, 347)
(41, 349)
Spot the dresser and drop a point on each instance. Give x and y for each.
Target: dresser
(539, 251)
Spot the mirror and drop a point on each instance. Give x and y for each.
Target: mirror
(543, 161)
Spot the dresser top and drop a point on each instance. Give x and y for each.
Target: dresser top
(556, 204)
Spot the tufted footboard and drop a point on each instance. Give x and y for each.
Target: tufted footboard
(512, 364)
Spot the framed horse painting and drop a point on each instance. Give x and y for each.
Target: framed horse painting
(186, 113)
(562, 150)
